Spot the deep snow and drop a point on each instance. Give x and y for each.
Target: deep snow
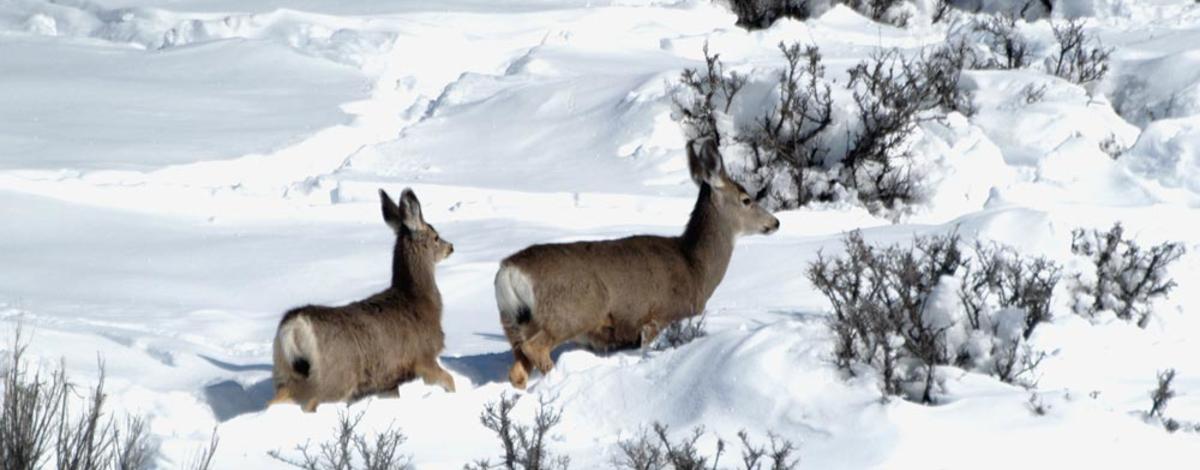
(174, 176)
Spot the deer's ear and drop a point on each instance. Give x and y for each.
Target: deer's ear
(705, 162)
(410, 210)
(391, 212)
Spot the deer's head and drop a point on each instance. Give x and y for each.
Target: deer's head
(414, 235)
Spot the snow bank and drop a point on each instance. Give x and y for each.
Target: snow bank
(174, 177)
(1167, 152)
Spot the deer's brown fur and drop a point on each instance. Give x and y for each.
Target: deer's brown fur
(619, 293)
(327, 354)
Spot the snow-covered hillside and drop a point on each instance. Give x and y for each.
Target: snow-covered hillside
(174, 175)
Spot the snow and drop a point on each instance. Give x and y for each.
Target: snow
(175, 175)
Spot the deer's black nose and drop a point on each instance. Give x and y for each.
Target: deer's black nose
(771, 228)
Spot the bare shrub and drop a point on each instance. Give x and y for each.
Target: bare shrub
(351, 450)
(890, 94)
(204, 459)
(705, 94)
(1081, 58)
(761, 14)
(1031, 93)
(654, 450)
(36, 422)
(30, 411)
(1013, 361)
(1036, 405)
(789, 162)
(776, 455)
(883, 11)
(1025, 283)
(87, 443)
(1005, 296)
(788, 139)
(525, 446)
(684, 455)
(999, 33)
(1162, 394)
(1113, 147)
(941, 11)
(1127, 278)
(680, 332)
(879, 298)
(882, 319)
(641, 453)
(941, 69)
(135, 450)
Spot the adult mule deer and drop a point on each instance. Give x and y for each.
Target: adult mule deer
(327, 354)
(618, 293)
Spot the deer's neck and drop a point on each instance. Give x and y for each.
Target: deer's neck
(708, 243)
(413, 278)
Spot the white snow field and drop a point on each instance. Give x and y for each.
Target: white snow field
(174, 175)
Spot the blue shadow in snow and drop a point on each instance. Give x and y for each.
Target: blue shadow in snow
(230, 399)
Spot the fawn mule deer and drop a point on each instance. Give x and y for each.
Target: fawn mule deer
(619, 293)
(326, 354)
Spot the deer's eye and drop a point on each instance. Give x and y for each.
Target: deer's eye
(746, 200)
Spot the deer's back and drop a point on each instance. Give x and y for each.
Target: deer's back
(372, 344)
(620, 284)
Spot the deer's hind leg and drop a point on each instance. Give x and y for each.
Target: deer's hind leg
(518, 374)
(537, 351)
(282, 395)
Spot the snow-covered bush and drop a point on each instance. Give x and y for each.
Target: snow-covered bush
(1080, 58)
(1005, 297)
(941, 69)
(524, 445)
(705, 94)
(350, 449)
(1001, 35)
(892, 12)
(1126, 278)
(787, 143)
(38, 425)
(654, 450)
(1033, 93)
(880, 298)
(890, 94)
(1159, 398)
(761, 14)
(1113, 147)
(799, 151)
(997, 277)
(893, 310)
(1029, 10)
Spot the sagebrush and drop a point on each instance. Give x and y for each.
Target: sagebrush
(655, 450)
(525, 446)
(884, 317)
(350, 449)
(1125, 278)
(43, 425)
(799, 150)
(1081, 58)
